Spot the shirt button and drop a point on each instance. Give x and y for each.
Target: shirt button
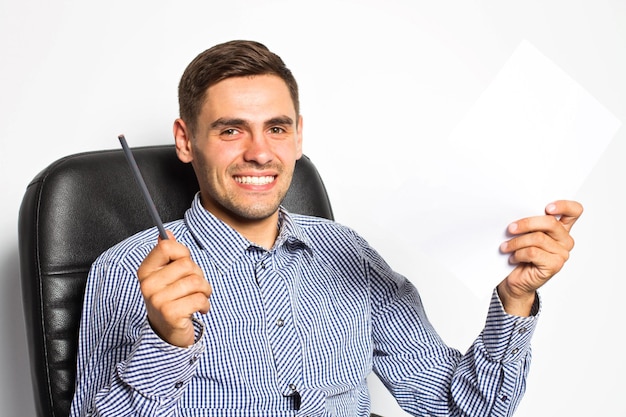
(514, 351)
(522, 330)
(178, 385)
(504, 398)
(292, 387)
(280, 322)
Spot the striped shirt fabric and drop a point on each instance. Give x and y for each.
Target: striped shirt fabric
(292, 331)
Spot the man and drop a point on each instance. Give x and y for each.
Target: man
(301, 309)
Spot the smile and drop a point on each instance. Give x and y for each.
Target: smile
(255, 180)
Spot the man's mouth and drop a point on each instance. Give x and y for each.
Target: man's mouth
(249, 180)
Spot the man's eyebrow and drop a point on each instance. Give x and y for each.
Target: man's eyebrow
(280, 120)
(223, 122)
(236, 122)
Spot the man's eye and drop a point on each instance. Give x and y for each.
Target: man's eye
(230, 132)
(277, 130)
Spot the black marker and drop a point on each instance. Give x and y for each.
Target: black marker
(144, 190)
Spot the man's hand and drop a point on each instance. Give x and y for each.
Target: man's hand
(540, 247)
(173, 288)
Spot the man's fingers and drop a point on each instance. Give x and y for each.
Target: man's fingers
(178, 289)
(567, 212)
(170, 235)
(533, 231)
(176, 313)
(164, 253)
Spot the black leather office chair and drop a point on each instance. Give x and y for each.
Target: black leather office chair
(74, 210)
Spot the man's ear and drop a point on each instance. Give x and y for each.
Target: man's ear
(299, 127)
(182, 139)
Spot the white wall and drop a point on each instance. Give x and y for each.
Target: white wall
(379, 81)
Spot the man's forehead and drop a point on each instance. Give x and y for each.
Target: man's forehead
(258, 98)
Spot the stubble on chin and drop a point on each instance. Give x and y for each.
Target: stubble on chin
(246, 208)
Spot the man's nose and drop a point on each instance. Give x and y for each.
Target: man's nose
(258, 149)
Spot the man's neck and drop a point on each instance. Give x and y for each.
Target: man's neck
(262, 233)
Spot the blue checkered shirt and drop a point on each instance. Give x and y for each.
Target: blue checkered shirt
(292, 331)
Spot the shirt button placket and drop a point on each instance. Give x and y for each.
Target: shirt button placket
(281, 334)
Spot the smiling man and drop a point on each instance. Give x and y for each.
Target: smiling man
(249, 310)
(243, 148)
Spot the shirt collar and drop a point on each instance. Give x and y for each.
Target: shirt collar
(226, 245)
(290, 232)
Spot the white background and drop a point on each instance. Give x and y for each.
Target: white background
(379, 80)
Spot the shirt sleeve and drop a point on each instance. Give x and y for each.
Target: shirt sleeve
(429, 378)
(123, 367)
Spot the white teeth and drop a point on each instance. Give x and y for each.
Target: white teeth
(255, 180)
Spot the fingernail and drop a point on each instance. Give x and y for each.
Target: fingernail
(551, 207)
(513, 227)
(504, 246)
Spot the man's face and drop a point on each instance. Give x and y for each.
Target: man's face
(247, 141)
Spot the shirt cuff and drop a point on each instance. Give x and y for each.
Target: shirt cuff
(506, 338)
(155, 368)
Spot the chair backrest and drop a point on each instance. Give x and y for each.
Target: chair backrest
(74, 210)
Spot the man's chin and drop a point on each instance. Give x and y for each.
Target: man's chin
(255, 212)
(244, 209)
